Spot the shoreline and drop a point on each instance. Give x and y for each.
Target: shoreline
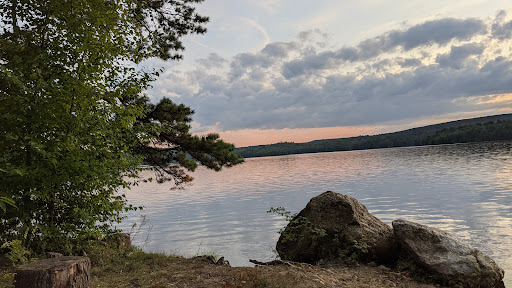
(116, 267)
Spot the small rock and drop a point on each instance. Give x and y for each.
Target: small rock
(123, 240)
(53, 254)
(383, 268)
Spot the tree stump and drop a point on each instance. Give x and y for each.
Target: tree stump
(61, 272)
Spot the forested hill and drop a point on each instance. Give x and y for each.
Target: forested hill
(498, 127)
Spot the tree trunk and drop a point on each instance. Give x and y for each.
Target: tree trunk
(61, 272)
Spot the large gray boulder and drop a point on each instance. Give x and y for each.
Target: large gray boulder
(334, 226)
(451, 261)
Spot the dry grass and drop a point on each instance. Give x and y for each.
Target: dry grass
(139, 269)
(134, 268)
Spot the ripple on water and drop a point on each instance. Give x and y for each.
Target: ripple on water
(463, 189)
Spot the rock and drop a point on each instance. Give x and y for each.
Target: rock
(53, 254)
(121, 240)
(450, 261)
(335, 226)
(59, 272)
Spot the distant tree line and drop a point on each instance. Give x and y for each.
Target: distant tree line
(491, 128)
(490, 131)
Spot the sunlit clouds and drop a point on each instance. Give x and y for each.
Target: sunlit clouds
(311, 87)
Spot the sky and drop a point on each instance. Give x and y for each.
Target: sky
(269, 71)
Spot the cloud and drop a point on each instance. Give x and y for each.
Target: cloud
(299, 67)
(278, 49)
(310, 35)
(500, 29)
(212, 61)
(410, 62)
(272, 53)
(440, 32)
(458, 54)
(434, 68)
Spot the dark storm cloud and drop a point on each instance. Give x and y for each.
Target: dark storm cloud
(292, 85)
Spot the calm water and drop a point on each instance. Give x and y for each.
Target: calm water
(464, 189)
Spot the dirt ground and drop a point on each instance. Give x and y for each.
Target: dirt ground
(198, 272)
(134, 269)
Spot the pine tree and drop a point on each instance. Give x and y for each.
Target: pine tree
(74, 124)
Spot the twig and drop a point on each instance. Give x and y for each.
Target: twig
(277, 262)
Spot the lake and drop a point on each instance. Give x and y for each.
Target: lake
(465, 189)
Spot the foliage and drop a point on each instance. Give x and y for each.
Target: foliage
(406, 264)
(5, 200)
(137, 228)
(483, 129)
(16, 249)
(297, 225)
(170, 148)
(7, 279)
(351, 253)
(75, 124)
(17, 253)
(490, 131)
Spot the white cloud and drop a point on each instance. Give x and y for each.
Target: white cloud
(439, 32)
(437, 67)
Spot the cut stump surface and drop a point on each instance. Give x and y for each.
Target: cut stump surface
(61, 272)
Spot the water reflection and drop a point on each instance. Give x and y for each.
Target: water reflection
(464, 189)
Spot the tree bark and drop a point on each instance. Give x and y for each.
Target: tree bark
(61, 272)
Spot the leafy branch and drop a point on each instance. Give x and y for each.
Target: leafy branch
(297, 225)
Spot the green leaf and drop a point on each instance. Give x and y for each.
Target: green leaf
(75, 123)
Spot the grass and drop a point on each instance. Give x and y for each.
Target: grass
(116, 267)
(7, 272)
